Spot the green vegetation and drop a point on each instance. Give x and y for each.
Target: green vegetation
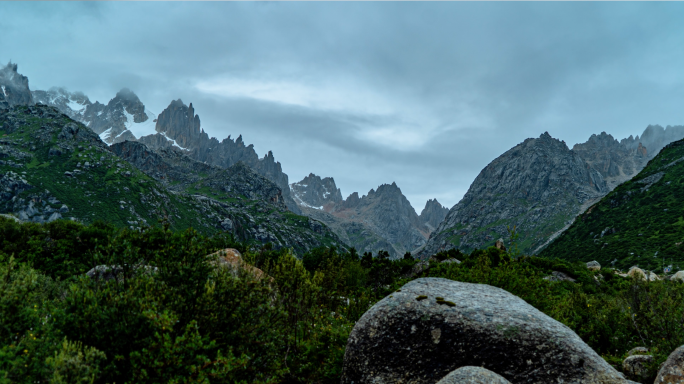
(193, 322)
(638, 223)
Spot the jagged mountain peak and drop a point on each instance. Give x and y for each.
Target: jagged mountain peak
(433, 214)
(538, 185)
(14, 87)
(316, 192)
(127, 94)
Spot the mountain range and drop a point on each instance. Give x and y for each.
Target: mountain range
(537, 188)
(383, 219)
(178, 129)
(166, 166)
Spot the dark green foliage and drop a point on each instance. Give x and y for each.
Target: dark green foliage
(635, 224)
(190, 321)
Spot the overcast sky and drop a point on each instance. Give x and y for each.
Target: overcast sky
(423, 94)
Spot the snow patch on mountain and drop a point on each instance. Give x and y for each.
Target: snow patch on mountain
(141, 129)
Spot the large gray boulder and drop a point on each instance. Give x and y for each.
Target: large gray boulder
(473, 375)
(433, 326)
(672, 371)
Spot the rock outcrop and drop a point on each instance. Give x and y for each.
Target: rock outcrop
(672, 371)
(538, 186)
(14, 87)
(433, 214)
(433, 326)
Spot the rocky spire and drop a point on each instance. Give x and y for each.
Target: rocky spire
(14, 87)
(433, 214)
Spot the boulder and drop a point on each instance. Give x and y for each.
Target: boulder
(594, 266)
(473, 375)
(433, 326)
(679, 276)
(635, 366)
(672, 371)
(232, 258)
(641, 274)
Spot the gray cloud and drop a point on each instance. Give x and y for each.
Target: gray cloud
(424, 94)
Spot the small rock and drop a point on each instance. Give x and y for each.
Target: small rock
(69, 174)
(473, 375)
(672, 370)
(64, 209)
(593, 266)
(635, 366)
(500, 244)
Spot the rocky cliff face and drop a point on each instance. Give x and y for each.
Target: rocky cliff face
(433, 214)
(14, 88)
(539, 186)
(654, 138)
(314, 192)
(614, 160)
(179, 125)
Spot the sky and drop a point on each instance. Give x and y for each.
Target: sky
(421, 94)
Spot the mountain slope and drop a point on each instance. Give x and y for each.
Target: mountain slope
(639, 223)
(538, 186)
(52, 167)
(254, 205)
